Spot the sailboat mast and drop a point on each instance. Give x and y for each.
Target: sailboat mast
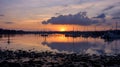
(73, 28)
(116, 25)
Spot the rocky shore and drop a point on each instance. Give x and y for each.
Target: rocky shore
(20, 58)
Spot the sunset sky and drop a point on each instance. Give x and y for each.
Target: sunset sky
(60, 15)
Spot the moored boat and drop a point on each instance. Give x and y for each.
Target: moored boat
(110, 36)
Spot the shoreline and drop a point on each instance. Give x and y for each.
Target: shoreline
(22, 58)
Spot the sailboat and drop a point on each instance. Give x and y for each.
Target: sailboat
(72, 34)
(111, 35)
(44, 35)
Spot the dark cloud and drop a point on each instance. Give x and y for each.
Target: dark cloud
(9, 22)
(116, 14)
(1, 15)
(77, 19)
(57, 13)
(108, 8)
(116, 18)
(101, 16)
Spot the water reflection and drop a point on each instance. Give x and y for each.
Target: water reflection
(59, 43)
(8, 39)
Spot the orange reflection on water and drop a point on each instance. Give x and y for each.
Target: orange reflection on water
(24, 42)
(62, 38)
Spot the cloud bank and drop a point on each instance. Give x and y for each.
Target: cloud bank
(76, 19)
(1, 15)
(9, 22)
(116, 18)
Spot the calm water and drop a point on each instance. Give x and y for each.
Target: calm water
(59, 43)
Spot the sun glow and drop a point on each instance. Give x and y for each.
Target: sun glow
(62, 29)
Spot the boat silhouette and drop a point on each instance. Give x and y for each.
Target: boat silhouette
(44, 35)
(110, 35)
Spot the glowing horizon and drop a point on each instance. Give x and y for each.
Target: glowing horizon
(29, 14)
